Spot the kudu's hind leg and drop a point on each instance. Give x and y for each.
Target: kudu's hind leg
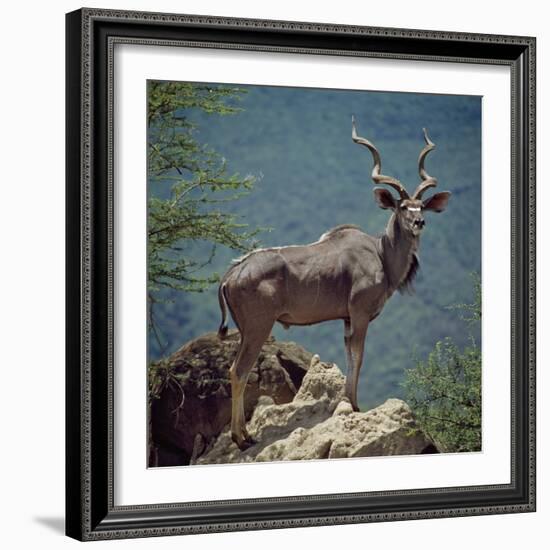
(249, 349)
(354, 338)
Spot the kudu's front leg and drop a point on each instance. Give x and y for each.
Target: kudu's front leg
(354, 338)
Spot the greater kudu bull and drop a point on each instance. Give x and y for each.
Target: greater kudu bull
(346, 275)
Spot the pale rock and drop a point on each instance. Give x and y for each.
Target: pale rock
(320, 423)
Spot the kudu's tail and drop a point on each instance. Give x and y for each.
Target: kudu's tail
(222, 331)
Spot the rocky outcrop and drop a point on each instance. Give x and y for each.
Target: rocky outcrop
(191, 401)
(320, 423)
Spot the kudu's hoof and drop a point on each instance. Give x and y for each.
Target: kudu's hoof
(243, 443)
(354, 406)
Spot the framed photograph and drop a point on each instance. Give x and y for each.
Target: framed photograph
(300, 274)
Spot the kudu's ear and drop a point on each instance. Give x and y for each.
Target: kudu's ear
(438, 202)
(384, 198)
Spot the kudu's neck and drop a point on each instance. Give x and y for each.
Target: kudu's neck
(398, 250)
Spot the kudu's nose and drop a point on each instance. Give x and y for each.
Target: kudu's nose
(419, 222)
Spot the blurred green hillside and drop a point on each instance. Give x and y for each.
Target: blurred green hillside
(311, 177)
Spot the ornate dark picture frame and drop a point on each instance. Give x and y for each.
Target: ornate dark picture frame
(90, 510)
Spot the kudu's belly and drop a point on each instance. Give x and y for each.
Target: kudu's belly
(313, 305)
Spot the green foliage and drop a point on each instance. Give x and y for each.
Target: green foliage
(445, 390)
(188, 189)
(471, 312)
